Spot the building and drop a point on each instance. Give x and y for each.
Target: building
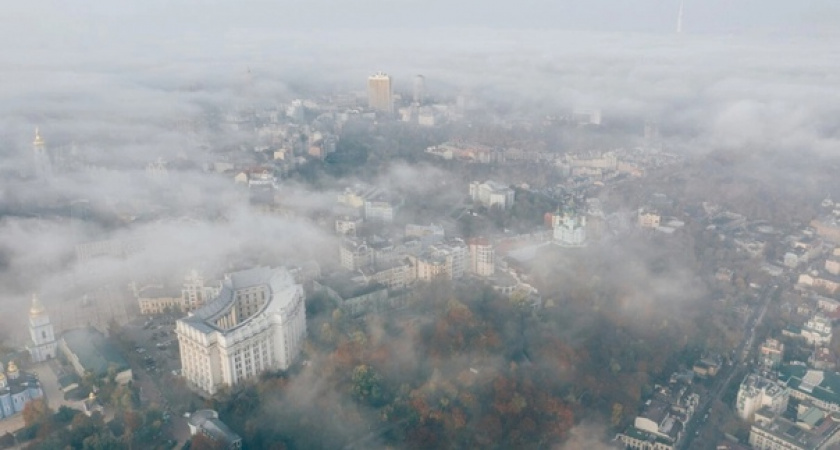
(491, 193)
(380, 93)
(826, 281)
(43, 345)
(355, 254)
(770, 354)
(816, 387)
(482, 257)
(419, 91)
(90, 352)
(636, 439)
(17, 388)
(357, 295)
(155, 300)
(570, 229)
(379, 210)
(817, 330)
(428, 234)
(648, 219)
(207, 423)
(194, 292)
(256, 323)
(448, 259)
(812, 430)
(757, 392)
(347, 225)
(832, 265)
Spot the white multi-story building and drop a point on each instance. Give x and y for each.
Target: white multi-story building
(757, 392)
(448, 259)
(817, 330)
(256, 323)
(355, 254)
(482, 257)
(43, 345)
(379, 211)
(491, 193)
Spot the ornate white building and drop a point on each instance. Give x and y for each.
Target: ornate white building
(43, 345)
(256, 323)
(570, 230)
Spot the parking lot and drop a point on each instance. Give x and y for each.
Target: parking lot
(155, 345)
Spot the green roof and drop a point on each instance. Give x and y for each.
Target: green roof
(96, 354)
(827, 391)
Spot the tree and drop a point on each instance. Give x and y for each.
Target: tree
(368, 386)
(36, 412)
(64, 415)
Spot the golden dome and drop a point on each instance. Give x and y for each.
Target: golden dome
(37, 308)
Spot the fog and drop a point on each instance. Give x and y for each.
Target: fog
(126, 85)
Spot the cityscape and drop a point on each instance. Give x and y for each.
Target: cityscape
(256, 230)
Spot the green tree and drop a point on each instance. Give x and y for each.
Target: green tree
(368, 385)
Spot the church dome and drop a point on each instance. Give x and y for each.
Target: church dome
(37, 308)
(13, 370)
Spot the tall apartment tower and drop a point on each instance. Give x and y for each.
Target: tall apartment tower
(419, 89)
(380, 93)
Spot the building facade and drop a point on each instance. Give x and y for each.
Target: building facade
(757, 392)
(43, 344)
(491, 193)
(256, 323)
(380, 93)
(482, 257)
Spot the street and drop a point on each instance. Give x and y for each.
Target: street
(734, 372)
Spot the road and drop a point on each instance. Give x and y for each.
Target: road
(738, 368)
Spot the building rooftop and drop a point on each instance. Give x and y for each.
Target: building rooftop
(207, 421)
(277, 281)
(822, 428)
(822, 385)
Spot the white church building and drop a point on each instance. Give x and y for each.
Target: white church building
(43, 345)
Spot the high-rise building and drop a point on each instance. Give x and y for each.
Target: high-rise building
(256, 323)
(43, 345)
(419, 89)
(380, 92)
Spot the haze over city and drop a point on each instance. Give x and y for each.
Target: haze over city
(405, 224)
